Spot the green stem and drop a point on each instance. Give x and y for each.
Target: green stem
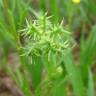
(10, 21)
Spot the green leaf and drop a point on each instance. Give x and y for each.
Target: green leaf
(59, 88)
(74, 73)
(91, 90)
(88, 55)
(54, 10)
(35, 70)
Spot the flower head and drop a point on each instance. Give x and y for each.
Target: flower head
(76, 1)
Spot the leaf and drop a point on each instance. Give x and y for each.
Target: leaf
(59, 88)
(88, 55)
(91, 90)
(74, 73)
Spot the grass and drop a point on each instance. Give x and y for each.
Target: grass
(44, 46)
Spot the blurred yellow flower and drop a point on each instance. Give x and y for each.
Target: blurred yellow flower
(76, 1)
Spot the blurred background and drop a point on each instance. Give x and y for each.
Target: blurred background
(79, 18)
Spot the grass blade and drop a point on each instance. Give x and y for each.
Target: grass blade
(90, 85)
(88, 54)
(74, 74)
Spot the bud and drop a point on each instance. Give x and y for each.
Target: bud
(60, 70)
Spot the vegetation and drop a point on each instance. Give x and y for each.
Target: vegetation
(45, 38)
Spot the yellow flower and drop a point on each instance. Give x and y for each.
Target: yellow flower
(76, 1)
